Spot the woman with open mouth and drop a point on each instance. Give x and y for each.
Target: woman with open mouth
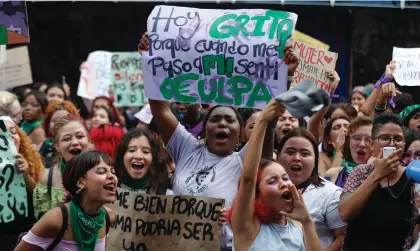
(83, 223)
(357, 150)
(29, 164)
(139, 166)
(333, 140)
(299, 156)
(70, 139)
(54, 111)
(267, 200)
(377, 201)
(34, 106)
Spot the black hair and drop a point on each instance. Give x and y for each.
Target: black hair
(328, 148)
(410, 136)
(350, 111)
(207, 117)
(402, 101)
(158, 173)
(56, 85)
(301, 132)
(79, 166)
(385, 118)
(38, 85)
(111, 116)
(40, 98)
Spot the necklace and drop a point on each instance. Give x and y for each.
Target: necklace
(402, 190)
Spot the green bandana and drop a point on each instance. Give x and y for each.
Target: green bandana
(63, 165)
(85, 229)
(28, 127)
(135, 185)
(348, 165)
(408, 112)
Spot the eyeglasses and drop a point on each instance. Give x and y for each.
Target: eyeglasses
(356, 138)
(410, 154)
(385, 140)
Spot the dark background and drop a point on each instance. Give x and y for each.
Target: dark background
(64, 33)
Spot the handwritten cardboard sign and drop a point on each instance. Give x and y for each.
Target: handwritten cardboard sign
(127, 79)
(95, 75)
(227, 57)
(13, 195)
(155, 223)
(407, 71)
(16, 70)
(315, 64)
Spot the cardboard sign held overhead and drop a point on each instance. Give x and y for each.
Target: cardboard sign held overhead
(156, 223)
(314, 64)
(127, 79)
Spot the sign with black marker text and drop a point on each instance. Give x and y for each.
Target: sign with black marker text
(158, 222)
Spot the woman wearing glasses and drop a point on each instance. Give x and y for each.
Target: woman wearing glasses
(377, 198)
(357, 150)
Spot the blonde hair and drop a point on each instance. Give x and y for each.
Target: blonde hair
(6, 99)
(61, 122)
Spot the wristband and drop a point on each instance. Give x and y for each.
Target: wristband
(379, 107)
(382, 80)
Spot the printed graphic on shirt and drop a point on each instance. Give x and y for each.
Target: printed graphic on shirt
(198, 181)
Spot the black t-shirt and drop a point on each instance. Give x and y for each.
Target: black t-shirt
(384, 222)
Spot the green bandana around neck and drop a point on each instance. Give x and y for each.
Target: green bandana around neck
(28, 127)
(348, 165)
(85, 229)
(135, 184)
(63, 165)
(406, 114)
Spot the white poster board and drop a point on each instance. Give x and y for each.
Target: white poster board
(16, 70)
(226, 57)
(407, 72)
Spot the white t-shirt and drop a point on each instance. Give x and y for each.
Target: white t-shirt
(201, 173)
(322, 203)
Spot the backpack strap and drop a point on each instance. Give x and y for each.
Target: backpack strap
(60, 235)
(50, 178)
(108, 221)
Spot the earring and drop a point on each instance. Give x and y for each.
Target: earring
(80, 190)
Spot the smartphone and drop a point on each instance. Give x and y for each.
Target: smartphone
(387, 150)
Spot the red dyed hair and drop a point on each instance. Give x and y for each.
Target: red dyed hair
(264, 214)
(106, 138)
(112, 108)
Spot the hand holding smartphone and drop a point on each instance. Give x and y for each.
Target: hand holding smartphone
(387, 150)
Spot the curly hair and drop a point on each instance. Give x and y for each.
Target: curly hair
(106, 138)
(57, 106)
(35, 163)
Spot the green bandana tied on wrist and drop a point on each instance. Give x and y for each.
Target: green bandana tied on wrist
(28, 127)
(85, 229)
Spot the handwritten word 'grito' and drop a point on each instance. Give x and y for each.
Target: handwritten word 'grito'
(239, 87)
(281, 27)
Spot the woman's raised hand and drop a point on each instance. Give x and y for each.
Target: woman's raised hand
(273, 110)
(300, 211)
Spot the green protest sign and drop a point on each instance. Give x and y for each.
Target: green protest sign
(226, 57)
(127, 79)
(13, 195)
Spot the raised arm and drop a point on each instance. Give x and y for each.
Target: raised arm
(165, 120)
(243, 210)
